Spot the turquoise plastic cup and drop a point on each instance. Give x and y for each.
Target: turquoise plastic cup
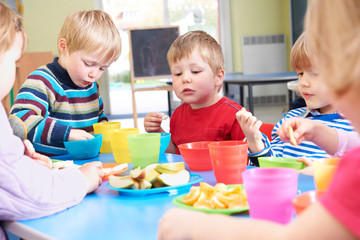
(270, 192)
(164, 141)
(144, 148)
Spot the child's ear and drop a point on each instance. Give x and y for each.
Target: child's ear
(220, 77)
(62, 46)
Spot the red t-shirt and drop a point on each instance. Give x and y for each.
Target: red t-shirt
(214, 123)
(343, 197)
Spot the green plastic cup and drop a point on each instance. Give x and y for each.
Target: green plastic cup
(144, 149)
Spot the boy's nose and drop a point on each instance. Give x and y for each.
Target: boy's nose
(304, 81)
(93, 74)
(186, 77)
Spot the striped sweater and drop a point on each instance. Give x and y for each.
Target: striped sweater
(49, 105)
(278, 148)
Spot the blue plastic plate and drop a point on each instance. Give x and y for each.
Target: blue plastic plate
(194, 178)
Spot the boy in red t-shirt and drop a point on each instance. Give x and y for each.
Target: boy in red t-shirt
(197, 67)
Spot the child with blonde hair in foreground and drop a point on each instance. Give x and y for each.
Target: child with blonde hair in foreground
(197, 67)
(336, 215)
(61, 101)
(29, 189)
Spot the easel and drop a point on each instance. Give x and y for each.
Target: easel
(148, 51)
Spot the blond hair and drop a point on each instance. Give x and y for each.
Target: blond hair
(92, 31)
(301, 57)
(206, 45)
(333, 28)
(10, 24)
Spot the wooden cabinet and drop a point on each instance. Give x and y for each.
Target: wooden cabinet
(29, 62)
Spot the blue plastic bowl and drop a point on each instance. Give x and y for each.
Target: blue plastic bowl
(164, 141)
(84, 149)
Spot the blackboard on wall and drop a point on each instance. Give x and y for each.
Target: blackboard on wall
(148, 51)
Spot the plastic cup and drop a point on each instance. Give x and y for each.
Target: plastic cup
(119, 144)
(229, 160)
(144, 149)
(270, 192)
(164, 141)
(104, 128)
(324, 170)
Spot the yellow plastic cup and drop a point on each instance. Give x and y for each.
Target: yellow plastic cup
(144, 148)
(104, 128)
(324, 170)
(119, 143)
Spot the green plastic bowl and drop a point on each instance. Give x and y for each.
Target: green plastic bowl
(271, 162)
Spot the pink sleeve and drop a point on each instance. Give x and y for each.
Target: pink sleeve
(346, 141)
(342, 199)
(28, 189)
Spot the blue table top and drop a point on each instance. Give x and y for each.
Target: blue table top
(105, 214)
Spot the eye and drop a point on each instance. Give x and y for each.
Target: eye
(315, 74)
(300, 74)
(177, 74)
(196, 72)
(88, 64)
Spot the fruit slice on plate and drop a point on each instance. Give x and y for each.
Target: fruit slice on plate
(113, 169)
(170, 167)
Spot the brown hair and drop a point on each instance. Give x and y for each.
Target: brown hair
(10, 24)
(92, 31)
(200, 41)
(333, 28)
(300, 57)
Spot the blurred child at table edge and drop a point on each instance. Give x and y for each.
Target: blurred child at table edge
(29, 189)
(197, 68)
(61, 101)
(318, 109)
(336, 215)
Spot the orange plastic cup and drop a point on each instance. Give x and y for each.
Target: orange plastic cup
(229, 160)
(104, 128)
(324, 170)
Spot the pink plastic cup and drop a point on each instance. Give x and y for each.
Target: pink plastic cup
(270, 192)
(229, 160)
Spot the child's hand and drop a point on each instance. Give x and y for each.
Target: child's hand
(93, 173)
(308, 170)
(251, 128)
(78, 134)
(152, 122)
(303, 129)
(30, 152)
(178, 223)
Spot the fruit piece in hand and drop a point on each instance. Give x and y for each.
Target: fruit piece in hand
(29, 147)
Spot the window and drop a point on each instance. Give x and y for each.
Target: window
(188, 14)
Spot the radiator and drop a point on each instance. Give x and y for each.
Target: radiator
(265, 54)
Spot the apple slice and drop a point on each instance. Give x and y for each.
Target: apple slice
(170, 167)
(179, 178)
(121, 181)
(138, 173)
(152, 176)
(144, 184)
